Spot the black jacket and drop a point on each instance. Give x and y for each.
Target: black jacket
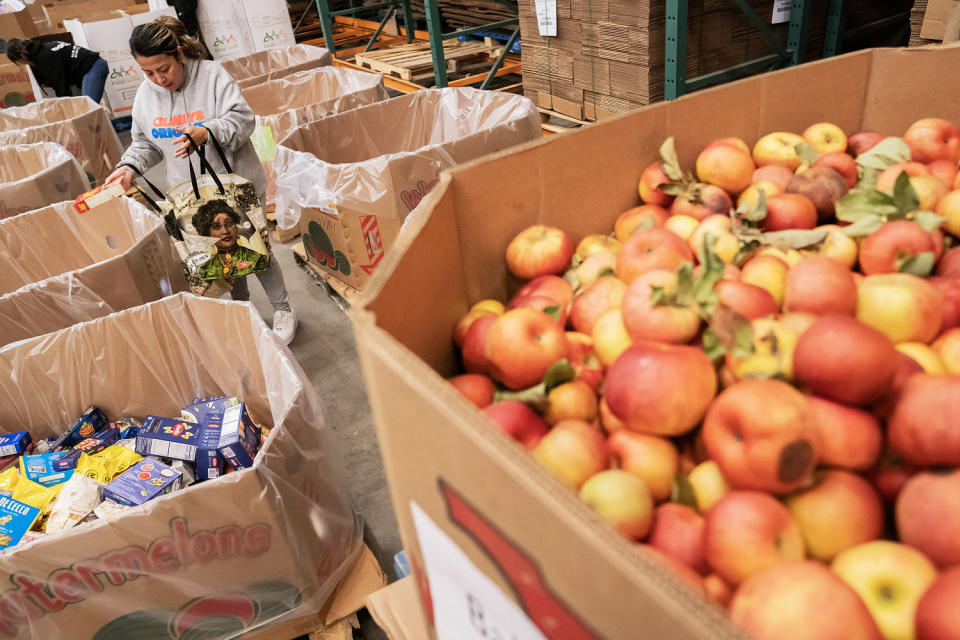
(59, 65)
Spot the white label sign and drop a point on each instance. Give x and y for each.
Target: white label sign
(547, 17)
(781, 11)
(467, 605)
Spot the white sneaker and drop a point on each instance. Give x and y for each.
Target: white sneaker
(285, 325)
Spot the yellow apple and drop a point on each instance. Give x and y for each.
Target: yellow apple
(708, 485)
(836, 245)
(682, 225)
(610, 337)
(923, 355)
(767, 272)
(493, 306)
(751, 193)
(623, 499)
(779, 147)
(825, 137)
(719, 226)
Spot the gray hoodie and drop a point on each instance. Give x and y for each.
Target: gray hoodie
(208, 97)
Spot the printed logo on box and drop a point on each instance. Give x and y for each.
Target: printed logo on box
(371, 240)
(317, 243)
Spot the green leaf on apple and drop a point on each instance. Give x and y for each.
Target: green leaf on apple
(904, 194)
(669, 162)
(794, 238)
(885, 154)
(864, 226)
(712, 345)
(868, 178)
(553, 311)
(658, 297)
(920, 264)
(682, 492)
(561, 371)
(535, 397)
(711, 272)
(862, 202)
(683, 295)
(758, 211)
(674, 188)
(928, 220)
(743, 340)
(607, 272)
(807, 153)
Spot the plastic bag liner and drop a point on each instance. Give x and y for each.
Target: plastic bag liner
(210, 561)
(58, 268)
(355, 176)
(284, 104)
(77, 123)
(35, 175)
(275, 63)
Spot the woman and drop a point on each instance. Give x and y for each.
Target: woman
(60, 66)
(233, 260)
(187, 95)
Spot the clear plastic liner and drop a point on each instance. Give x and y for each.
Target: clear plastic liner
(38, 174)
(213, 560)
(380, 158)
(58, 267)
(275, 63)
(78, 124)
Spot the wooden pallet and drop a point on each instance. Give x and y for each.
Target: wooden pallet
(415, 62)
(337, 288)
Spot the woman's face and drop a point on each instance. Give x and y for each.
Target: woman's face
(162, 70)
(225, 229)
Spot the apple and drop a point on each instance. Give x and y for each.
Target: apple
(610, 423)
(574, 400)
(928, 516)
(727, 166)
(749, 196)
(836, 245)
(890, 578)
(773, 343)
(924, 428)
(463, 325)
(762, 435)
(932, 139)
(678, 532)
(850, 438)
(774, 173)
(924, 355)
(596, 243)
(675, 323)
(476, 388)
(826, 137)
(652, 458)
(649, 187)
(573, 451)
(707, 200)
(801, 601)
(660, 389)
(748, 300)
(936, 617)
(649, 249)
(748, 532)
(610, 337)
(949, 265)
(539, 250)
(950, 288)
(947, 350)
(842, 163)
(683, 226)
(718, 590)
(779, 147)
(518, 421)
(889, 477)
(904, 307)
(863, 141)
(929, 190)
(789, 257)
(708, 485)
(474, 349)
(845, 360)
(945, 170)
(489, 304)
(592, 302)
(623, 499)
(646, 216)
(553, 290)
(767, 272)
(720, 227)
(733, 141)
(522, 345)
(820, 286)
(790, 211)
(888, 177)
(822, 186)
(949, 209)
(840, 511)
(584, 360)
(592, 268)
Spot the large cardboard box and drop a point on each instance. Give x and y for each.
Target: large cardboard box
(487, 530)
(35, 175)
(17, 24)
(109, 35)
(395, 609)
(77, 123)
(233, 28)
(15, 87)
(60, 13)
(286, 103)
(213, 560)
(58, 267)
(351, 179)
(264, 66)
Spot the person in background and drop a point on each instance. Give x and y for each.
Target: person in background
(60, 66)
(186, 95)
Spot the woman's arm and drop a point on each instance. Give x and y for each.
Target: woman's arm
(235, 120)
(141, 154)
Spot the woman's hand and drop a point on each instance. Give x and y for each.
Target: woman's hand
(184, 148)
(123, 175)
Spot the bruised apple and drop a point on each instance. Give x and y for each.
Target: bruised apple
(822, 186)
(539, 250)
(522, 345)
(707, 200)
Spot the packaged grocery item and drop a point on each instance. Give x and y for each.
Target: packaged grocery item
(16, 518)
(35, 494)
(187, 475)
(78, 498)
(95, 197)
(168, 438)
(129, 427)
(203, 408)
(14, 443)
(8, 481)
(94, 444)
(109, 508)
(143, 481)
(41, 468)
(108, 464)
(6, 461)
(30, 536)
(239, 437)
(91, 421)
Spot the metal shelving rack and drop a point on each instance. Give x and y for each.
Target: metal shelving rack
(392, 6)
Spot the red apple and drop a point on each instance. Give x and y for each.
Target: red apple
(789, 211)
(727, 166)
(474, 351)
(518, 421)
(647, 216)
(522, 345)
(886, 249)
(604, 294)
(842, 163)
(950, 288)
(775, 173)
(573, 451)
(463, 325)
(820, 285)
(674, 323)
(924, 428)
(554, 288)
(928, 516)
(943, 169)
(936, 617)
(932, 139)
(678, 532)
(650, 181)
(823, 186)
(539, 250)
(849, 438)
(709, 200)
(949, 265)
(748, 300)
(476, 388)
(652, 458)
(649, 249)
(863, 141)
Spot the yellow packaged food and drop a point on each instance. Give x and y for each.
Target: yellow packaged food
(108, 464)
(8, 480)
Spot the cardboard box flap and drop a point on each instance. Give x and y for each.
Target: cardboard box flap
(398, 612)
(35, 175)
(275, 63)
(316, 86)
(935, 19)
(261, 542)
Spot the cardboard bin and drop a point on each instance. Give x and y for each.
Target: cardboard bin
(459, 483)
(16, 24)
(77, 123)
(351, 179)
(234, 28)
(15, 87)
(261, 67)
(58, 267)
(215, 559)
(286, 103)
(35, 175)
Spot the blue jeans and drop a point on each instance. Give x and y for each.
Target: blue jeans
(94, 79)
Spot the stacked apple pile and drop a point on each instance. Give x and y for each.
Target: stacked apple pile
(756, 376)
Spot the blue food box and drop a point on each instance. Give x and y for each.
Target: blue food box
(239, 437)
(41, 468)
(143, 481)
(12, 444)
(168, 438)
(94, 444)
(15, 519)
(128, 427)
(89, 423)
(204, 408)
(209, 461)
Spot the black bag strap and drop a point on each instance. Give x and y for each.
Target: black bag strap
(144, 178)
(216, 145)
(204, 167)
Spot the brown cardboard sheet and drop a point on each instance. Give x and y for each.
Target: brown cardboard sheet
(35, 175)
(267, 65)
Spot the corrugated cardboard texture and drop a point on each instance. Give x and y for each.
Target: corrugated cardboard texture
(397, 610)
(15, 88)
(935, 18)
(446, 260)
(35, 175)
